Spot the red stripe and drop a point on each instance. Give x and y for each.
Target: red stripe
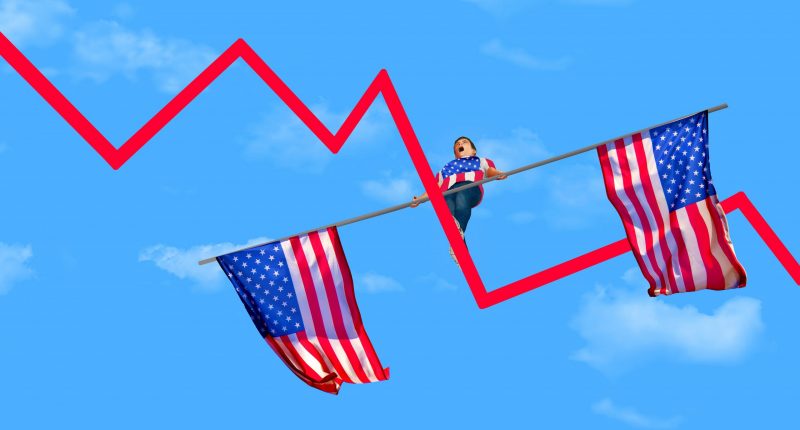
(714, 277)
(627, 222)
(655, 208)
(683, 254)
(307, 369)
(668, 278)
(313, 304)
(722, 233)
(302, 337)
(349, 293)
(627, 185)
(333, 304)
(305, 373)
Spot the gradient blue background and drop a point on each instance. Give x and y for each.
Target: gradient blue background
(94, 335)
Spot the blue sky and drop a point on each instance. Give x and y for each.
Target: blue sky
(106, 321)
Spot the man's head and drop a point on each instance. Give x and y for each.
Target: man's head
(463, 147)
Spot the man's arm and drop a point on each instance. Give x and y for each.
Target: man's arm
(492, 172)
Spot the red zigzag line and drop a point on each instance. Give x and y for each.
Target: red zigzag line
(382, 84)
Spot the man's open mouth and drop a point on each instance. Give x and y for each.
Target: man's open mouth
(460, 149)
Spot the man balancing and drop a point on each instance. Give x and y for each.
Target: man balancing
(465, 169)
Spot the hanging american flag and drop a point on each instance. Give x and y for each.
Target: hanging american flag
(299, 294)
(660, 183)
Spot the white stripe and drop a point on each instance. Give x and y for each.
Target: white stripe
(619, 187)
(302, 301)
(347, 316)
(699, 274)
(638, 190)
(729, 272)
(336, 274)
(671, 245)
(469, 176)
(307, 357)
(325, 309)
(300, 293)
(289, 356)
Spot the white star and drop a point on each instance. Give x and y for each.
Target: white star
(248, 255)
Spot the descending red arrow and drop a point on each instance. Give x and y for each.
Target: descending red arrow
(382, 84)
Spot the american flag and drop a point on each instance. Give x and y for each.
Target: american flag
(299, 294)
(660, 183)
(463, 169)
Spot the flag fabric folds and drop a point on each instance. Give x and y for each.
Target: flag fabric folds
(660, 183)
(299, 294)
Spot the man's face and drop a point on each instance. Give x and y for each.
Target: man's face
(463, 148)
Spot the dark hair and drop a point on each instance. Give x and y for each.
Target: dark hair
(468, 140)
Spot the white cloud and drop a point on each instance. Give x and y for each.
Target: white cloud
(14, 265)
(632, 417)
(517, 56)
(501, 8)
(106, 48)
(374, 283)
(38, 22)
(183, 262)
(123, 11)
(437, 282)
(522, 217)
(623, 328)
(390, 189)
(577, 195)
(521, 147)
(283, 139)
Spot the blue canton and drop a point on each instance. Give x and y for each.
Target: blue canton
(681, 153)
(461, 165)
(261, 278)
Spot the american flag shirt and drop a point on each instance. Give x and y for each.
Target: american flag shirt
(660, 182)
(463, 169)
